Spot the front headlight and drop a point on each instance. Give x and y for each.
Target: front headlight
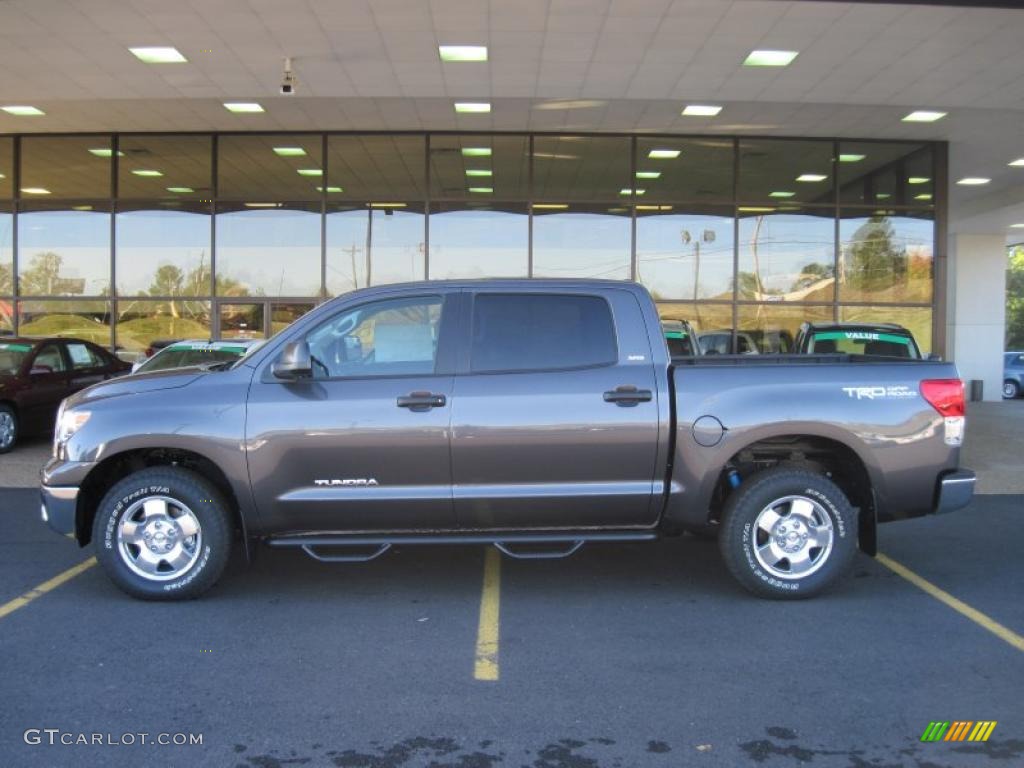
(68, 423)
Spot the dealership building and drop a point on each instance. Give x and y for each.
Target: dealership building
(754, 163)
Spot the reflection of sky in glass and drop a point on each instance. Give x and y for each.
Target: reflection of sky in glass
(346, 250)
(274, 252)
(478, 243)
(668, 247)
(783, 245)
(148, 240)
(80, 238)
(581, 245)
(398, 247)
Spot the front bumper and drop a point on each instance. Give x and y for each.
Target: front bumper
(954, 491)
(59, 505)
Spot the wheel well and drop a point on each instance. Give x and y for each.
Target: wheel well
(837, 461)
(119, 466)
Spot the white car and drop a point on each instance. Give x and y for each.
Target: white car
(193, 352)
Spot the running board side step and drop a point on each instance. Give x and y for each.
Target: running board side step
(504, 542)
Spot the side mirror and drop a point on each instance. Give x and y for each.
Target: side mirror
(295, 362)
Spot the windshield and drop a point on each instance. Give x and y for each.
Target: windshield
(864, 343)
(188, 355)
(12, 356)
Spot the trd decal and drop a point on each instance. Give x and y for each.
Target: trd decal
(895, 392)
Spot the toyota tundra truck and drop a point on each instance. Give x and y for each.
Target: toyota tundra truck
(534, 415)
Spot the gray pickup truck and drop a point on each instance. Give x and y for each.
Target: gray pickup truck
(535, 415)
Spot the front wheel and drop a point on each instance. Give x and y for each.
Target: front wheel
(163, 533)
(1011, 390)
(788, 534)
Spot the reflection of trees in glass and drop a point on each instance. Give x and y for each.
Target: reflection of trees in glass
(1015, 299)
(42, 277)
(874, 261)
(6, 279)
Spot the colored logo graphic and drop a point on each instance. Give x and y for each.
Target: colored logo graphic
(958, 730)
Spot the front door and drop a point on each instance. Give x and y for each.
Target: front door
(48, 385)
(363, 445)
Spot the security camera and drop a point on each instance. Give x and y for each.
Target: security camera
(288, 80)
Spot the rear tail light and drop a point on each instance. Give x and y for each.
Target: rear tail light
(945, 395)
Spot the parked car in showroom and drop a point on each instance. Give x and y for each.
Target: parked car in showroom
(36, 374)
(680, 337)
(196, 352)
(720, 343)
(881, 339)
(1013, 374)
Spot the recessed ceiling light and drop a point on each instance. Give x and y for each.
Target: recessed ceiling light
(781, 193)
(700, 110)
(918, 180)
(1018, 163)
(103, 152)
(768, 58)
(310, 172)
(663, 154)
(755, 209)
(648, 174)
(2, 176)
(242, 106)
(453, 53)
(1017, 226)
(925, 196)
(330, 189)
(22, 110)
(180, 190)
(479, 172)
(654, 207)
(35, 190)
(388, 205)
(81, 207)
(481, 190)
(923, 116)
(851, 158)
(476, 151)
(882, 196)
(262, 205)
(550, 206)
(472, 107)
(811, 177)
(147, 172)
(158, 55)
(628, 191)
(973, 181)
(289, 151)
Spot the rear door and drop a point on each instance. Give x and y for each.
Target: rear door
(88, 364)
(555, 419)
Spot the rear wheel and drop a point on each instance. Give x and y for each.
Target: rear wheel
(788, 534)
(8, 428)
(163, 534)
(1011, 390)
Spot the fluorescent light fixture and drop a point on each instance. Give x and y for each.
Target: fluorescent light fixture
(479, 172)
(628, 191)
(2, 176)
(81, 207)
(310, 172)
(663, 154)
(648, 174)
(158, 54)
(22, 110)
(476, 151)
(472, 107)
(882, 196)
(289, 151)
(781, 193)
(654, 207)
(811, 177)
(1017, 226)
(1018, 163)
(262, 205)
(769, 58)
(242, 107)
(388, 205)
(700, 110)
(850, 158)
(755, 209)
(481, 190)
(181, 190)
(918, 180)
(330, 189)
(455, 53)
(104, 152)
(923, 116)
(148, 172)
(923, 196)
(35, 190)
(550, 206)
(973, 181)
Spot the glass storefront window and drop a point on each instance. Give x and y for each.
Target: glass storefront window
(64, 251)
(584, 168)
(153, 166)
(786, 253)
(373, 244)
(163, 251)
(886, 173)
(885, 256)
(241, 321)
(796, 171)
(773, 327)
(89, 320)
(685, 252)
(692, 170)
(348, 248)
(268, 251)
(6, 317)
(282, 315)
(140, 322)
(466, 167)
(918, 320)
(6, 168)
(262, 168)
(581, 241)
(6, 253)
(69, 167)
(377, 168)
(471, 241)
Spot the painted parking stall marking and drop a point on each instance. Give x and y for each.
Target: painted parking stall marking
(47, 586)
(486, 666)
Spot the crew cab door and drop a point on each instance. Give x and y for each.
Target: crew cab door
(363, 444)
(555, 422)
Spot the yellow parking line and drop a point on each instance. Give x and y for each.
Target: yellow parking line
(46, 586)
(486, 667)
(987, 622)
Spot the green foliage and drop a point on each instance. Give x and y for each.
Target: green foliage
(1015, 298)
(876, 261)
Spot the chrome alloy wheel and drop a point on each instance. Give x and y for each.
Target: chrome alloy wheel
(159, 538)
(6, 429)
(793, 537)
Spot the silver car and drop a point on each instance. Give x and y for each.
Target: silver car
(1013, 374)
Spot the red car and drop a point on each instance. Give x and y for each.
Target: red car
(36, 374)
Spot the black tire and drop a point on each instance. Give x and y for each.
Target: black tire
(1011, 390)
(8, 421)
(178, 489)
(741, 538)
